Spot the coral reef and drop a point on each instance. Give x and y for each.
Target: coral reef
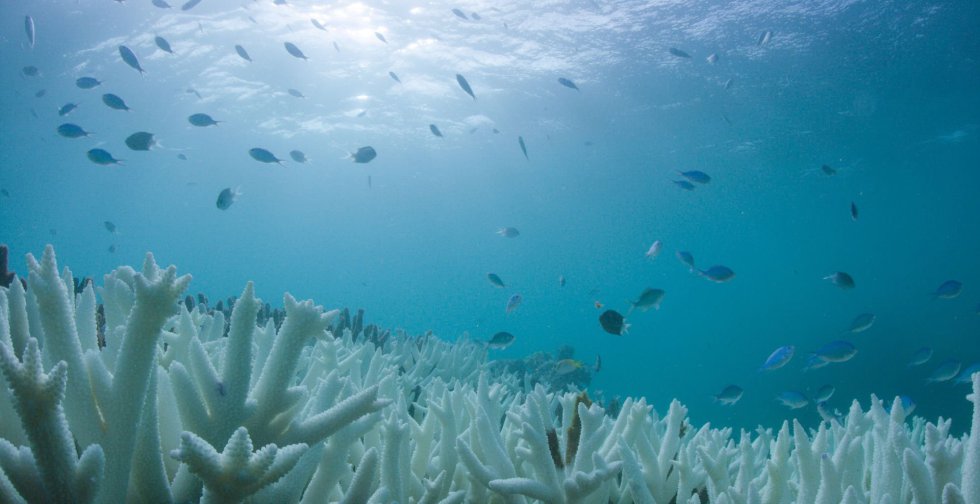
(170, 405)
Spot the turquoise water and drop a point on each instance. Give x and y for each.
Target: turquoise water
(884, 92)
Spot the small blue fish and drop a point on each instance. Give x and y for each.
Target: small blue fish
(837, 351)
(66, 109)
(679, 53)
(854, 211)
(381, 37)
(520, 141)
(862, 322)
(227, 197)
(908, 405)
(687, 258)
(263, 156)
(460, 14)
(190, 4)
(394, 76)
(729, 395)
(87, 82)
(613, 322)
(31, 71)
(696, 176)
(298, 156)
(814, 362)
(501, 341)
(920, 357)
(318, 25)
(364, 154)
(243, 53)
(824, 393)
(508, 232)
(567, 83)
(114, 102)
(140, 141)
(718, 273)
(793, 399)
(201, 120)
(966, 376)
(435, 130)
(841, 279)
(778, 358)
(129, 57)
(161, 4)
(295, 93)
(294, 51)
(946, 371)
(949, 289)
(163, 44)
(70, 130)
(102, 157)
(683, 184)
(513, 303)
(465, 85)
(495, 280)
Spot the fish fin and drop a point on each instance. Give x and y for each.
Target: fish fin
(626, 328)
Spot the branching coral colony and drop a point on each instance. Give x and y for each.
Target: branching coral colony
(175, 408)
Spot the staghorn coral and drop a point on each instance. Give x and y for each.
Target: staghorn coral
(376, 416)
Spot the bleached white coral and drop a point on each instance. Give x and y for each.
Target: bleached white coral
(413, 420)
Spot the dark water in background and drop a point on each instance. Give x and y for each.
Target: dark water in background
(886, 92)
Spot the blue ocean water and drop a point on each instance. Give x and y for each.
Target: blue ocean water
(882, 92)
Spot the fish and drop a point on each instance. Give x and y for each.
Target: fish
(837, 351)
(729, 395)
(598, 363)
(793, 399)
(654, 250)
(687, 258)
(495, 280)
(649, 298)
(394, 76)
(381, 37)
(841, 279)
(364, 154)
(194, 92)
(475, 16)
(862, 322)
(29, 30)
(202, 120)
(102, 157)
(226, 197)
(114, 102)
(40, 93)
(967, 374)
(950, 289)
(66, 109)
(263, 156)
(566, 366)
(824, 393)
(561, 280)
(243, 53)
(508, 232)
(501, 340)
(87, 82)
(696, 176)
(112, 249)
(826, 414)
(336, 47)
(460, 14)
(946, 371)
(130, 58)
(712, 58)
(182, 157)
(161, 4)
(190, 4)
(814, 362)
(764, 38)
(683, 184)
(465, 85)
(828, 170)
(163, 44)
(318, 25)
(71, 130)
(110, 226)
(678, 52)
(854, 211)
(512, 303)
(30, 71)
(568, 83)
(520, 141)
(920, 357)
(297, 156)
(718, 273)
(294, 51)
(435, 130)
(613, 323)
(778, 358)
(140, 141)
(295, 93)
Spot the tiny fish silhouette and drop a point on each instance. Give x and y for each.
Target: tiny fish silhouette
(520, 140)
(163, 44)
(435, 130)
(263, 155)
(465, 85)
(294, 51)
(567, 83)
(129, 57)
(243, 53)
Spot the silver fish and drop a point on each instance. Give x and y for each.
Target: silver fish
(29, 29)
